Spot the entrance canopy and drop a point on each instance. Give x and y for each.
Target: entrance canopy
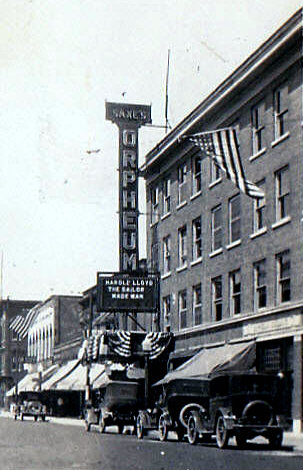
(211, 361)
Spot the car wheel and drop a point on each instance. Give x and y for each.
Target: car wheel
(140, 428)
(162, 428)
(192, 434)
(241, 441)
(101, 423)
(275, 441)
(222, 434)
(87, 426)
(120, 428)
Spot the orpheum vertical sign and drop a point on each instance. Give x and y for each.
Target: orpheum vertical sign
(129, 118)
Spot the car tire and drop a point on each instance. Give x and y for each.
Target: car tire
(87, 426)
(275, 441)
(192, 434)
(162, 428)
(120, 428)
(102, 424)
(140, 428)
(222, 433)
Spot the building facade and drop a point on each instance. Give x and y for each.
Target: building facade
(232, 266)
(55, 334)
(13, 351)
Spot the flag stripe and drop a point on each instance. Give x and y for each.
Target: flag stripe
(222, 147)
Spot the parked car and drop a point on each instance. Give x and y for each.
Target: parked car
(118, 405)
(178, 399)
(32, 408)
(244, 405)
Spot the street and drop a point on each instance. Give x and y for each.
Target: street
(28, 445)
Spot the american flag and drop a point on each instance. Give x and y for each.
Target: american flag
(20, 325)
(120, 342)
(222, 147)
(158, 342)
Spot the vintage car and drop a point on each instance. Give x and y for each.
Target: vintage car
(243, 405)
(178, 398)
(33, 408)
(117, 405)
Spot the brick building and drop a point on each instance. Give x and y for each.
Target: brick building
(232, 266)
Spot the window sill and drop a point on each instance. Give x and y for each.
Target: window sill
(163, 217)
(181, 268)
(280, 139)
(258, 233)
(258, 154)
(214, 183)
(166, 275)
(196, 261)
(281, 222)
(215, 253)
(182, 204)
(234, 244)
(194, 196)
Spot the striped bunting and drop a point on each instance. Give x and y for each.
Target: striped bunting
(222, 147)
(120, 342)
(158, 342)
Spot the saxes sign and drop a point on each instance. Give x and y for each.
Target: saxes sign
(128, 118)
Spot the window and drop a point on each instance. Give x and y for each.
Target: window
(217, 300)
(234, 219)
(258, 211)
(182, 302)
(196, 174)
(280, 111)
(215, 173)
(166, 255)
(182, 246)
(283, 276)
(182, 184)
(197, 305)
(257, 122)
(216, 228)
(197, 239)
(282, 193)
(166, 196)
(260, 293)
(154, 205)
(166, 312)
(235, 292)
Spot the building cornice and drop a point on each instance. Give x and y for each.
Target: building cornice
(243, 72)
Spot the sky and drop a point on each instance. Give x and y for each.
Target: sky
(60, 61)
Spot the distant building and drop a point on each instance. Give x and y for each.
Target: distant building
(232, 266)
(55, 334)
(13, 351)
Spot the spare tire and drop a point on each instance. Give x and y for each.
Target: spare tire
(258, 412)
(186, 412)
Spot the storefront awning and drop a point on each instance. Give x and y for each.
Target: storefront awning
(208, 362)
(60, 374)
(76, 380)
(30, 382)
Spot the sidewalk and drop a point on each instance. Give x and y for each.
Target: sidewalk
(291, 440)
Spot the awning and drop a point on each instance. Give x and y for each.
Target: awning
(76, 380)
(30, 382)
(208, 362)
(60, 374)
